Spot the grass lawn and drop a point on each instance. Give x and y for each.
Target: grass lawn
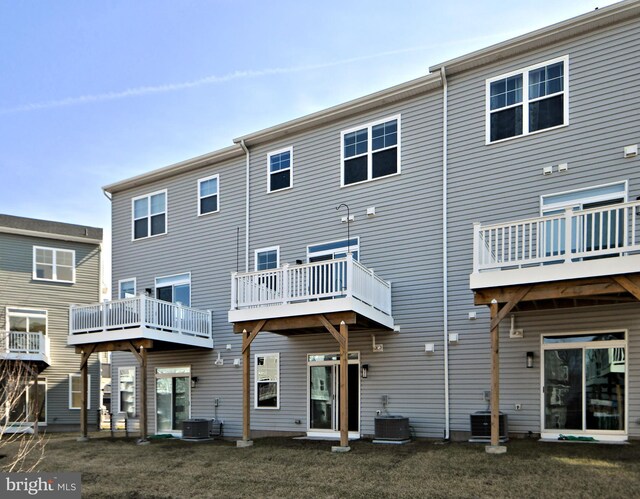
(279, 467)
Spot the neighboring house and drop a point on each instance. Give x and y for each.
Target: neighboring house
(45, 267)
(256, 235)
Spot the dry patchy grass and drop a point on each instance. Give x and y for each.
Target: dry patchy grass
(278, 467)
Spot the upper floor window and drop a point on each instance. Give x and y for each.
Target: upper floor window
(371, 151)
(208, 194)
(267, 258)
(528, 100)
(280, 169)
(53, 264)
(127, 288)
(150, 215)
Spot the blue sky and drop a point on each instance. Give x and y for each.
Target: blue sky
(92, 92)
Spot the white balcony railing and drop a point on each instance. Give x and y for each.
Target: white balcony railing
(21, 344)
(139, 312)
(560, 238)
(294, 284)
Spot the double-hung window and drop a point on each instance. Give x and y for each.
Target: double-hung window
(53, 264)
(371, 151)
(528, 100)
(75, 391)
(267, 376)
(150, 215)
(208, 195)
(127, 390)
(280, 169)
(267, 258)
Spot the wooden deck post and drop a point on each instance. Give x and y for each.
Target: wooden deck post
(344, 386)
(495, 447)
(246, 388)
(143, 395)
(84, 375)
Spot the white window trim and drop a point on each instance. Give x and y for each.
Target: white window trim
(255, 381)
(42, 381)
(262, 250)
(593, 199)
(216, 176)
(120, 369)
(54, 265)
(369, 154)
(135, 286)
(26, 314)
(561, 346)
(166, 215)
(269, 172)
(525, 99)
(353, 248)
(173, 283)
(71, 392)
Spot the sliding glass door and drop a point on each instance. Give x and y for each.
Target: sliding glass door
(584, 383)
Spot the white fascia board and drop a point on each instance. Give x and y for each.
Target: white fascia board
(49, 235)
(558, 272)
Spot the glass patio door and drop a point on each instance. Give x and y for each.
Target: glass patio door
(173, 399)
(584, 384)
(324, 393)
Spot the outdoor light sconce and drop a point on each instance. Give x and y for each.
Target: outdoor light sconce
(194, 381)
(148, 291)
(364, 371)
(529, 360)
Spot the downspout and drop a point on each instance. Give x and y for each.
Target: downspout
(445, 284)
(246, 216)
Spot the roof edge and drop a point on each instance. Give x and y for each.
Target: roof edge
(170, 170)
(564, 29)
(397, 92)
(50, 235)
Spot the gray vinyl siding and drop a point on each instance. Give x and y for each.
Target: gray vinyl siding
(504, 181)
(18, 289)
(402, 243)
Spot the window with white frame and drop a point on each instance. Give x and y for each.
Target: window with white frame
(27, 320)
(280, 169)
(149, 215)
(528, 100)
(174, 288)
(371, 151)
(75, 391)
(127, 288)
(20, 410)
(54, 264)
(127, 390)
(267, 258)
(208, 195)
(267, 378)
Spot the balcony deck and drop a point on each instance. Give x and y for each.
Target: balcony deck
(590, 243)
(137, 318)
(340, 286)
(24, 346)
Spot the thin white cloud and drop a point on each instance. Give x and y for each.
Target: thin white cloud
(213, 79)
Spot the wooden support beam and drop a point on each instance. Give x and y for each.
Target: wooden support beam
(334, 332)
(84, 385)
(135, 353)
(246, 387)
(116, 346)
(575, 288)
(518, 294)
(495, 376)
(284, 324)
(36, 406)
(344, 386)
(86, 353)
(249, 339)
(143, 394)
(630, 283)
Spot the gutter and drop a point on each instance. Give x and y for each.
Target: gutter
(247, 206)
(445, 283)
